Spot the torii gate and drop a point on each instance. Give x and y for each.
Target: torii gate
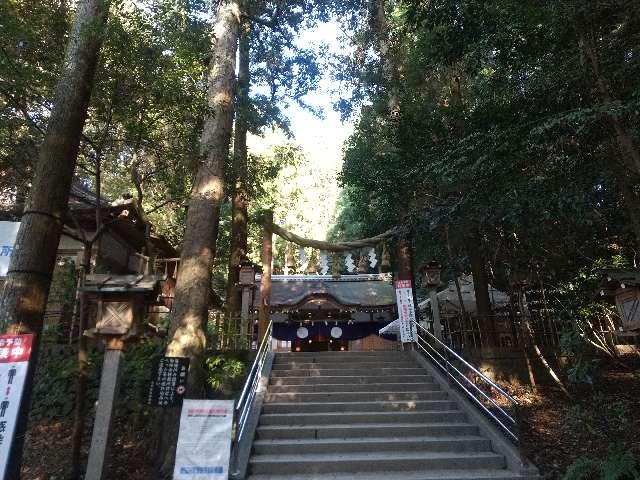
(404, 258)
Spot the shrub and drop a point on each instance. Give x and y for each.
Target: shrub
(619, 465)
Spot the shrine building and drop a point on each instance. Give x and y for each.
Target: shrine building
(312, 313)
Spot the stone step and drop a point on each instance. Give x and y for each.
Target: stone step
(317, 407)
(331, 418)
(346, 431)
(350, 380)
(356, 387)
(333, 445)
(351, 365)
(473, 474)
(339, 356)
(348, 372)
(372, 462)
(354, 396)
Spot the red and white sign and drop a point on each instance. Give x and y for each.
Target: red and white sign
(15, 351)
(204, 442)
(406, 311)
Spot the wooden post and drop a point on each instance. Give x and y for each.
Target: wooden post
(435, 309)
(109, 383)
(405, 267)
(265, 283)
(405, 262)
(244, 317)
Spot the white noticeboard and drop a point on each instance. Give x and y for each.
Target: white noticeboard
(204, 441)
(406, 311)
(14, 363)
(8, 234)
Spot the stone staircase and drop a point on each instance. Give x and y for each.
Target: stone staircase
(365, 415)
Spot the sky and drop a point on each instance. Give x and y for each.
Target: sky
(314, 185)
(321, 139)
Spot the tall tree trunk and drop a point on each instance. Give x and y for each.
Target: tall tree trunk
(630, 154)
(190, 307)
(626, 142)
(239, 198)
(265, 281)
(34, 256)
(481, 289)
(388, 59)
(29, 277)
(83, 372)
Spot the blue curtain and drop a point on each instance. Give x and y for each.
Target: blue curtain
(355, 331)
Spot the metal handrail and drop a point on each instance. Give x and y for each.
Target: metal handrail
(500, 416)
(245, 400)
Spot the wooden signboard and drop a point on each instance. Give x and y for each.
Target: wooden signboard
(247, 275)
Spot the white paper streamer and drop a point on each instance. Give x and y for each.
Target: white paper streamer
(373, 261)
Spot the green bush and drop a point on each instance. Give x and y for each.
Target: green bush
(600, 417)
(225, 375)
(619, 465)
(580, 369)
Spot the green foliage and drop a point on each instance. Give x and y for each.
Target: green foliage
(599, 417)
(225, 374)
(619, 465)
(581, 369)
(502, 142)
(55, 382)
(53, 394)
(137, 373)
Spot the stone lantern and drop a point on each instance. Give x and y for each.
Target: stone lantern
(121, 302)
(430, 273)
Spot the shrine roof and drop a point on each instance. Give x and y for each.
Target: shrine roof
(613, 279)
(122, 283)
(348, 290)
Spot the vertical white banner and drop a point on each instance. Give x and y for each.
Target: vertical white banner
(406, 311)
(204, 441)
(8, 234)
(14, 363)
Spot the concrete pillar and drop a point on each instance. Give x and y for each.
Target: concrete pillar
(101, 437)
(435, 309)
(244, 316)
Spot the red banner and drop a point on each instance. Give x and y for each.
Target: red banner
(15, 348)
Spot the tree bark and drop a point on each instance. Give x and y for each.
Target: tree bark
(265, 282)
(190, 308)
(625, 140)
(29, 277)
(389, 64)
(34, 255)
(239, 198)
(83, 373)
(481, 289)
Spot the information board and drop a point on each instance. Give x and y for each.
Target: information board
(204, 441)
(169, 383)
(15, 351)
(406, 311)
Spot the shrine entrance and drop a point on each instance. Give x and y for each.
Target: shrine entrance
(316, 313)
(327, 296)
(319, 344)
